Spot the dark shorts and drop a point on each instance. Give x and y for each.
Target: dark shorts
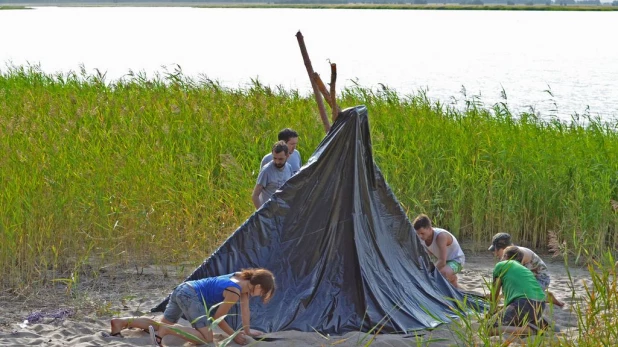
(523, 312)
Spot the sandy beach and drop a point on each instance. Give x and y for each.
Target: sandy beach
(82, 318)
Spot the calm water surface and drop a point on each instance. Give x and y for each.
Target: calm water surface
(572, 54)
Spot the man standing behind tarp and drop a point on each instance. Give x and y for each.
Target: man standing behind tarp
(290, 137)
(273, 175)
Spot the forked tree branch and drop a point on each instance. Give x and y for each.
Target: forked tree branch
(322, 87)
(316, 92)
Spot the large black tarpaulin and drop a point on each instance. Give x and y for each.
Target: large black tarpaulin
(344, 254)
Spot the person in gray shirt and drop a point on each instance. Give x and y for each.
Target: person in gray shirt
(291, 139)
(273, 175)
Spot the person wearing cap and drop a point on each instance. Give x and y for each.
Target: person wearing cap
(524, 299)
(531, 260)
(443, 245)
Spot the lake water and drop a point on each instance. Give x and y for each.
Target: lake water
(526, 53)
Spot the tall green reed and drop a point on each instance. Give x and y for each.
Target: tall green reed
(595, 313)
(481, 171)
(160, 169)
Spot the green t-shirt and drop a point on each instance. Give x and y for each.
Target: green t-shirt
(517, 282)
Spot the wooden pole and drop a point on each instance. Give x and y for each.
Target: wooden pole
(327, 95)
(316, 92)
(333, 79)
(322, 88)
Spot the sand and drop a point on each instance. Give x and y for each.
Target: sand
(132, 292)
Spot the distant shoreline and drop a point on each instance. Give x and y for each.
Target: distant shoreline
(454, 7)
(3, 7)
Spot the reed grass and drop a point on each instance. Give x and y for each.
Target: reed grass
(440, 7)
(7, 7)
(156, 170)
(595, 314)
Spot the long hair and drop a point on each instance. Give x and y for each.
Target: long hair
(264, 278)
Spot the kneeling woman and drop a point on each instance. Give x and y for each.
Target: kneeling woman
(195, 298)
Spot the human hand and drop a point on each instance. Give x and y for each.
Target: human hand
(254, 333)
(240, 339)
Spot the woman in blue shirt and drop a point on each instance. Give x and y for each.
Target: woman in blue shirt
(202, 302)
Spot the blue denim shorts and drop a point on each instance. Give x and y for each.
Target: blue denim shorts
(185, 301)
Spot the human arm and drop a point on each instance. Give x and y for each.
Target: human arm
(442, 242)
(245, 313)
(255, 197)
(230, 297)
(528, 255)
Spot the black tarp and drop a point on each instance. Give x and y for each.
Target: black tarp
(344, 254)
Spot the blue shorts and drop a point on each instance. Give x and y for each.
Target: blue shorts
(185, 301)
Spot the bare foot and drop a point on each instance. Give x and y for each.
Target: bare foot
(163, 331)
(117, 325)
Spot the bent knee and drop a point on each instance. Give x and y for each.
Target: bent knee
(206, 333)
(446, 271)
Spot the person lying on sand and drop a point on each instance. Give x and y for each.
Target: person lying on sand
(524, 299)
(531, 260)
(195, 300)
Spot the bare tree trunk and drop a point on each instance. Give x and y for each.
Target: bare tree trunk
(322, 88)
(316, 92)
(333, 79)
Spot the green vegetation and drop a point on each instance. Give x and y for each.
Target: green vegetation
(596, 316)
(14, 8)
(474, 5)
(377, 6)
(151, 171)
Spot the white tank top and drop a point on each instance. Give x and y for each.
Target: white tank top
(453, 252)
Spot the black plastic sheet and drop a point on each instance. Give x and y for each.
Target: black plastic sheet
(344, 254)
